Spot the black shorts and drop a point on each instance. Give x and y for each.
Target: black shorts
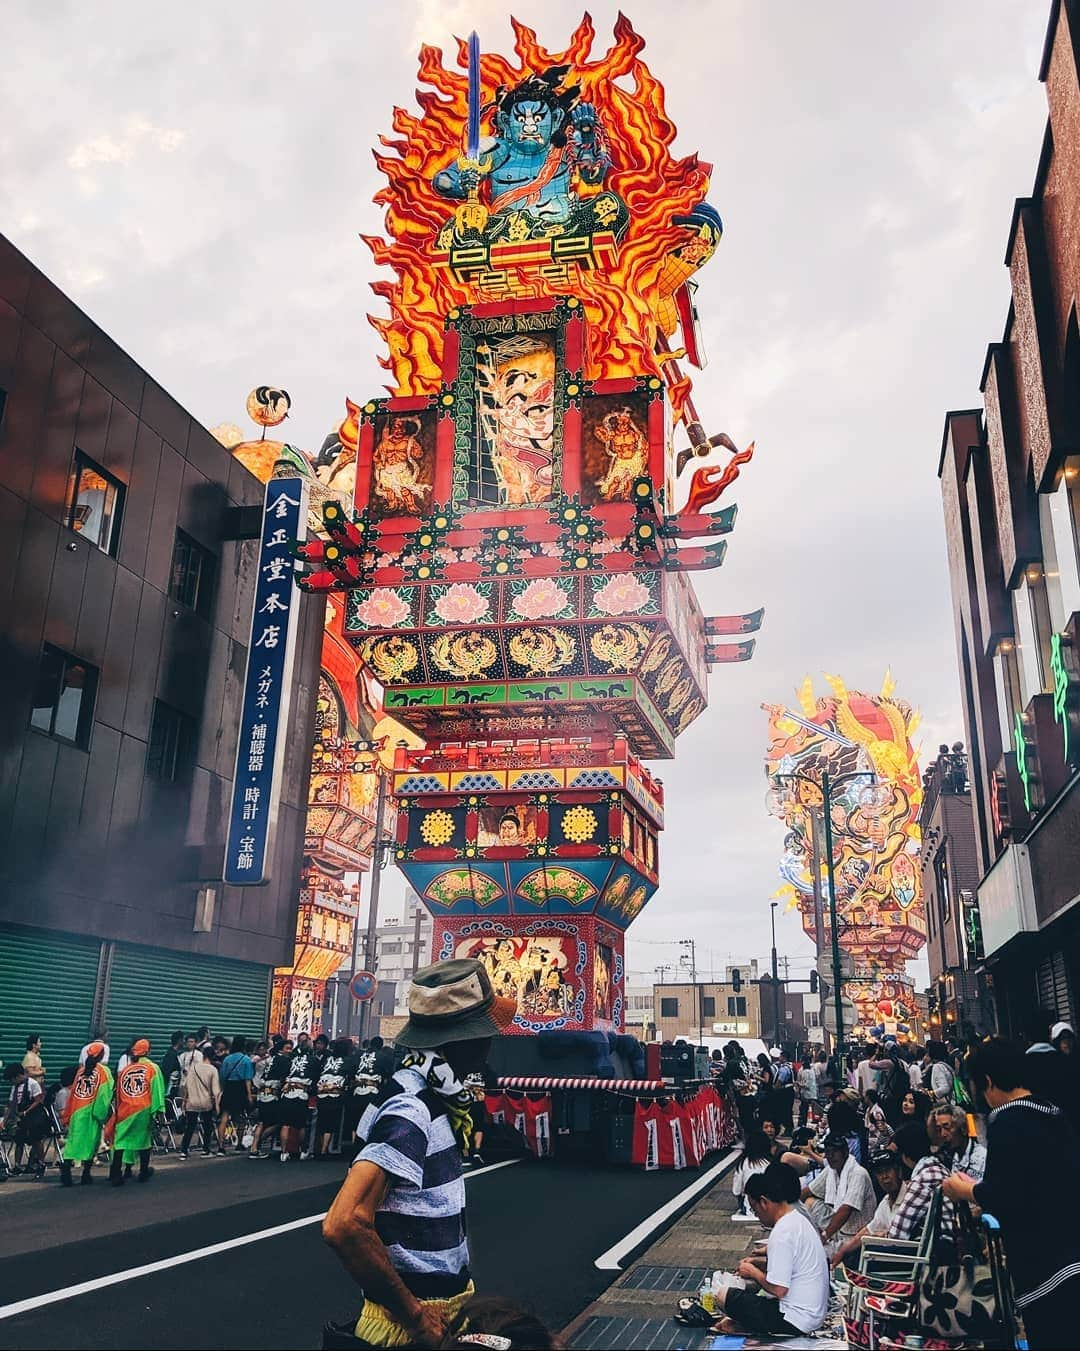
(330, 1113)
(478, 1112)
(33, 1127)
(293, 1112)
(234, 1098)
(758, 1314)
(268, 1113)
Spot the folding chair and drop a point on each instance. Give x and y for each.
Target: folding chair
(885, 1284)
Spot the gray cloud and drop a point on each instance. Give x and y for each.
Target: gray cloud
(866, 158)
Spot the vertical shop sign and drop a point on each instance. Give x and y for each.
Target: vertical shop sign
(264, 718)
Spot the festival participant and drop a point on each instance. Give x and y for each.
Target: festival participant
(887, 1174)
(845, 1192)
(1032, 1188)
(367, 1079)
(268, 1098)
(330, 1094)
(949, 1137)
(796, 1274)
(26, 1113)
(140, 1095)
(293, 1109)
(88, 1108)
(398, 1222)
(926, 1172)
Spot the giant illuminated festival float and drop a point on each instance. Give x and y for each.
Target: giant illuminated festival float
(506, 538)
(525, 507)
(863, 743)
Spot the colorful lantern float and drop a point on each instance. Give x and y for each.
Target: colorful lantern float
(514, 570)
(863, 742)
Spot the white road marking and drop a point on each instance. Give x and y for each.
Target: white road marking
(612, 1259)
(196, 1255)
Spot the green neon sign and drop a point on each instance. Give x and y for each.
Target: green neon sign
(1061, 688)
(1022, 766)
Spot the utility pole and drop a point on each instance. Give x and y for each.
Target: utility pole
(378, 853)
(689, 943)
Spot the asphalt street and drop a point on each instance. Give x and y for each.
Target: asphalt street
(535, 1231)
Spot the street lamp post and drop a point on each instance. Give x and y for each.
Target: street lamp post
(775, 978)
(377, 861)
(825, 787)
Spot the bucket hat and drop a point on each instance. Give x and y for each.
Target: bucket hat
(453, 1001)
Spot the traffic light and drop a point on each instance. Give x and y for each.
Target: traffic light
(736, 980)
(813, 981)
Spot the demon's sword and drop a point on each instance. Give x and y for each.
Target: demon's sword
(472, 215)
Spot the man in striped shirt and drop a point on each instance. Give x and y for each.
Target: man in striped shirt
(398, 1222)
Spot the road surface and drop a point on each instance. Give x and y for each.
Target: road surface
(227, 1253)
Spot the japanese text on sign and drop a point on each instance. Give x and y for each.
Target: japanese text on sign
(267, 684)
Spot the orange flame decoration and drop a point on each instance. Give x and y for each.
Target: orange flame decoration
(619, 303)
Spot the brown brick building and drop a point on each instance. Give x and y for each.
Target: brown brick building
(1010, 484)
(958, 997)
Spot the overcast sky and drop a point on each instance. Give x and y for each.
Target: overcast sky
(196, 178)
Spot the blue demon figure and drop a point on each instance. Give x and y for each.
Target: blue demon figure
(547, 144)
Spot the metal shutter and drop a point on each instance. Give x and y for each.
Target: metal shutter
(47, 983)
(1052, 982)
(152, 991)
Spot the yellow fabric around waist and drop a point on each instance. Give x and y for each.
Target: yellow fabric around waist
(378, 1327)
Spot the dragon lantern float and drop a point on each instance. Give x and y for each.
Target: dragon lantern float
(864, 742)
(515, 565)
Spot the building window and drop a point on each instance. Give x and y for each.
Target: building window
(64, 697)
(95, 504)
(1007, 684)
(171, 752)
(1059, 522)
(813, 1018)
(388, 948)
(669, 1008)
(736, 1006)
(708, 1006)
(1032, 620)
(944, 891)
(191, 581)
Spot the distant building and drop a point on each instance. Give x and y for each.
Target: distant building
(1010, 486)
(715, 1008)
(958, 1000)
(127, 557)
(640, 1017)
(398, 955)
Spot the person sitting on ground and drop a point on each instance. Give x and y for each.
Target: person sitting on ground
(926, 1172)
(914, 1106)
(1032, 1188)
(769, 1128)
(843, 1118)
(888, 1175)
(803, 1157)
(497, 1323)
(758, 1152)
(26, 1114)
(845, 1195)
(949, 1138)
(398, 1222)
(796, 1274)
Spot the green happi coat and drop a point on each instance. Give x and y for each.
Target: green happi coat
(140, 1093)
(87, 1111)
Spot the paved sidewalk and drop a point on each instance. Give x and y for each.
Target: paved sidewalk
(636, 1310)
